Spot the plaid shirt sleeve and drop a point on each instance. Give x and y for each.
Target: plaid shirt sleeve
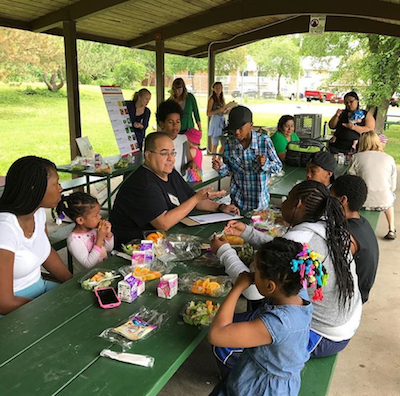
(272, 164)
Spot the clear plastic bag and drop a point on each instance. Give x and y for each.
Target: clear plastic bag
(199, 313)
(81, 163)
(208, 259)
(136, 327)
(98, 277)
(207, 285)
(269, 221)
(233, 240)
(186, 247)
(246, 253)
(153, 271)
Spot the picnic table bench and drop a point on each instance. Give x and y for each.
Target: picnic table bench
(387, 123)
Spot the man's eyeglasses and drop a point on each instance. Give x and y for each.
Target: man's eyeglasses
(165, 153)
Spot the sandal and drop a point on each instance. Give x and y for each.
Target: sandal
(390, 235)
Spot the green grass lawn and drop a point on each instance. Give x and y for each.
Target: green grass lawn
(37, 123)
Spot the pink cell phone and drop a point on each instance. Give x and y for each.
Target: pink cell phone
(107, 297)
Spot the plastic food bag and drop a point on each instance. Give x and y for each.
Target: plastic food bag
(199, 313)
(123, 162)
(136, 327)
(81, 163)
(98, 277)
(246, 253)
(186, 247)
(162, 248)
(269, 221)
(208, 259)
(153, 271)
(208, 285)
(232, 239)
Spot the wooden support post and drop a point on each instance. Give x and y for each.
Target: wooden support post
(160, 89)
(211, 78)
(71, 64)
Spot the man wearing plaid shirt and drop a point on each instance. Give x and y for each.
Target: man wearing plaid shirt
(250, 159)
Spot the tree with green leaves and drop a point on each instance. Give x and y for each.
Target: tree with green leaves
(370, 64)
(277, 57)
(230, 61)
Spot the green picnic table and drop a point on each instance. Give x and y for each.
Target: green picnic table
(90, 174)
(50, 346)
(281, 186)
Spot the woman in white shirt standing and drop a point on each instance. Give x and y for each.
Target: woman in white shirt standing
(31, 185)
(379, 172)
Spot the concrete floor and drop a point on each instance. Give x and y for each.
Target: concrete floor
(370, 365)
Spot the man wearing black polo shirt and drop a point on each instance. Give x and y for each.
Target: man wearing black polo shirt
(156, 196)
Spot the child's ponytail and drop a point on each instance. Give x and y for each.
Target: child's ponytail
(74, 205)
(320, 205)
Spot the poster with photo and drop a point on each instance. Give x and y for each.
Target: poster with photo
(120, 119)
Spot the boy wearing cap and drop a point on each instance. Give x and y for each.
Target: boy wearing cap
(250, 159)
(321, 168)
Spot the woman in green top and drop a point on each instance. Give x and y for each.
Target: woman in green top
(283, 135)
(188, 103)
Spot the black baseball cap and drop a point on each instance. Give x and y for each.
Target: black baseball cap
(239, 116)
(325, 160)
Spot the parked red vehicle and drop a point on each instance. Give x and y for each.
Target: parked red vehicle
(322, 96)
(337, 99)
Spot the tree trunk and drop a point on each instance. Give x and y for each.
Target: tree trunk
(380, 115)
(279, 85)
(52, 84)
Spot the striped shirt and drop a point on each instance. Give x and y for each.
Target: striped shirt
(249, 181)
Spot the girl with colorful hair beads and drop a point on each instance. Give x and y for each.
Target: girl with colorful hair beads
(274, 337)
(315, 218)
(91, 238)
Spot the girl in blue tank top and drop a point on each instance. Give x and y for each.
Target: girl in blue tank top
(275, 338)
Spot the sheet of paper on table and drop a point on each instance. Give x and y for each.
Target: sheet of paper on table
(208, 218)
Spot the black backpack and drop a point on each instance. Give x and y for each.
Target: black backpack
(300, 153)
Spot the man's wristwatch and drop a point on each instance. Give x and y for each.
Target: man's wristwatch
(220, 207)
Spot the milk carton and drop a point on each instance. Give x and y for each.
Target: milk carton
(138, 258)
(168, 286)
(130, 288)
(146, 246)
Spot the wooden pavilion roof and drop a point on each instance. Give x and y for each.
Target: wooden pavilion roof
(189, 26)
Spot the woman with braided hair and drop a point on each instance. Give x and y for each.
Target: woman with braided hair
(315, 218)
(31, 186)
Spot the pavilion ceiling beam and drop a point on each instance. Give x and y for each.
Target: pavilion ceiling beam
(13, 23)
(74, 12)
(301, 25)
(92, 37)
(237, 10)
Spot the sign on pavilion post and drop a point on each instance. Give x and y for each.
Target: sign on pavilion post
(120, 119)
(317, 24)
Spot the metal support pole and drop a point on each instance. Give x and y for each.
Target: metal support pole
(71, 65)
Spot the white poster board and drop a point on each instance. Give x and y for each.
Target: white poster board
(317, 24)
(85, 147)
(120, 119)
